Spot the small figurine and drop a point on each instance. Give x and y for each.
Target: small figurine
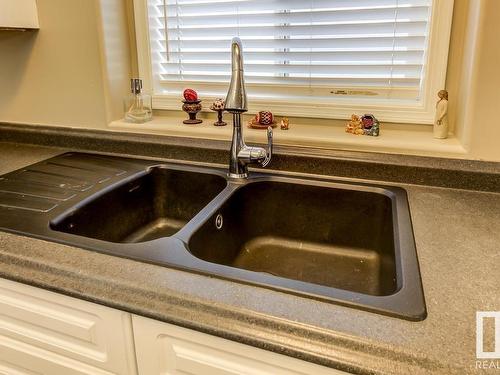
(441, 118)
(365, 125)
(262, 120)
(192, 105)
(354, 126)
(218, 106)
(265, 118)
(371, 126)
(285, 123)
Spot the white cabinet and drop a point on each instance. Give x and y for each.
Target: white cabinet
(47, 333)
(51, 334)
(163, 348)
(18, 14)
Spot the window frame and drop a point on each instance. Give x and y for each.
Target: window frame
(398, 111)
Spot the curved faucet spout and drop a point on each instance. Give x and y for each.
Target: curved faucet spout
(236, 100)
(237, 50)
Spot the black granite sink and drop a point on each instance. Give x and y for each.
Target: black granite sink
(342, 242)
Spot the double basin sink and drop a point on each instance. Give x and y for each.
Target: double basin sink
(341, 242)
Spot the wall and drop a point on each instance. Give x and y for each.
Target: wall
(473, 77)
(73, 71)
(454, 81)
(481, 135)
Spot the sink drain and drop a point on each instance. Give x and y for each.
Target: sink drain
(219, 221)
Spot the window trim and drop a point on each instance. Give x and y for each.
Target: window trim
(421, 112)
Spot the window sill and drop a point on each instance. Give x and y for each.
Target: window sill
(314, 134)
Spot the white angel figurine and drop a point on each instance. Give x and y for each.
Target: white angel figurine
(441, 119)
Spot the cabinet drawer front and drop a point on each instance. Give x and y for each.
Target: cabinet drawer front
(167, 349)
(51, 325)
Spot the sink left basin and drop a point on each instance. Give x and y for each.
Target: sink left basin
(156, 204)
(104, 202)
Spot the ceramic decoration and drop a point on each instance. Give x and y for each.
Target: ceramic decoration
(365, 125)
(264, 118)
(371, 125)
(192, 105)
(355, 126)
(192, 108)
(218, 106)
(190, 95)
(441, 118)
(285, 123)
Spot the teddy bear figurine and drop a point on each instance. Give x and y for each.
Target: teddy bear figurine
(355, 125)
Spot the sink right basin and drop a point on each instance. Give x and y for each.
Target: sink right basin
(349, 243)
(332, 237)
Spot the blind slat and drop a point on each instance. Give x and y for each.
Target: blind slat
(304, 32)
(294, 62)
(286, 5)
(395, 45)
(302, 68)
(178, 18)
(382, 81)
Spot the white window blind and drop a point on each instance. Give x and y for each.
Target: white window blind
(297, 50)
(371, 45)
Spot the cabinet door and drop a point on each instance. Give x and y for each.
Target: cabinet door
(47, 333)
(163, 348)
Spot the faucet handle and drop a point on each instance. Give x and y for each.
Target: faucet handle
(269, 153)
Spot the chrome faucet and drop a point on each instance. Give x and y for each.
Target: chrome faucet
(236, 103)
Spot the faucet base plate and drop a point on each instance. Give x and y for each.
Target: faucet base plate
(237, 175)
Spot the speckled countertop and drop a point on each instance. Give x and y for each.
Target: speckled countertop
(458, 244)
